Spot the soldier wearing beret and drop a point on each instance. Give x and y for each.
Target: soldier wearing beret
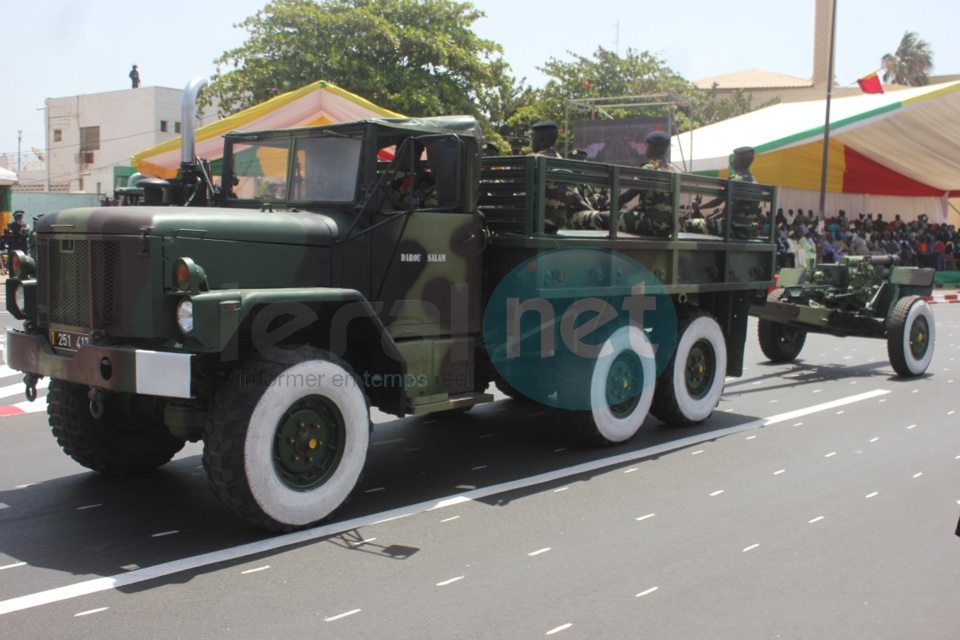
(745, 215)
(653, 214)
(16, 235)
(563, 200)
(544, 139)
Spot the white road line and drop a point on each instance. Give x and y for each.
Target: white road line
(163, 533)
(89, 506)
(192, 563)
(873, 495)
(258, 569)
(781, 471)
(87, 613)
(14, 389)
(342, 615)
(646, 517)
(450, 519)
(538, 552)
(647, 592)
(375, 489)
(560, 489)
(917, 475)
(483, 466)
(831, 454)
(716, 493)
(697, 452)
(562, 627)
(751, 547)
(815, 520)
(913, 426)
(632, 469)
(13, 566)
(450, 581)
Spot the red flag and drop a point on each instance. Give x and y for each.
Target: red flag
(588, 85)
(870, 83)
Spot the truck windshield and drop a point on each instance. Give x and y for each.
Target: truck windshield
(318, 169)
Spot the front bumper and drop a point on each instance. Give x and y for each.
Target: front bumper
(121, 369)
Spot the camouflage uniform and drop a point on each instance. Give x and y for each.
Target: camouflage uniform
(564, 203)
(423, 191)
(653, 215)
(746, 217)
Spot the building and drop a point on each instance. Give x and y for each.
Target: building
(90, 138)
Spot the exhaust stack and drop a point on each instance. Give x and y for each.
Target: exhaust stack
(188, 112)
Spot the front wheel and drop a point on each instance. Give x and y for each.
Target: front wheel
(128, 438)
(780, 342)
(617, 389)
(690, 387)
(910, 336)
(285, 445)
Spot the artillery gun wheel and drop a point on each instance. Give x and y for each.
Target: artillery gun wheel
(618, 387)
(910, 336)
(780, 342)
(689, 389)
(128, 438)
(286, 443)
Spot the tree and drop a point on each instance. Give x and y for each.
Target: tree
(911, 63)
(607, 75)
(416, 57)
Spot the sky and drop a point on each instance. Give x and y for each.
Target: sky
(59, 48)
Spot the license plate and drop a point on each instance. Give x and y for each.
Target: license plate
(68, 339)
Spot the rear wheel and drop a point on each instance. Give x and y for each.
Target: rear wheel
(690, 387)
(128, 438)
(910, 336)
(617, 387)
(780, 342)
(285, 444)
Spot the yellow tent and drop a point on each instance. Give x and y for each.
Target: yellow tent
(316, 104)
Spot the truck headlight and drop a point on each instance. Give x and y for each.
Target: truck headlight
(20, 298)
(185, 316)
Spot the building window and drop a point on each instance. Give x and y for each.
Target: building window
(57, 135)
(88, 157)
(163, 126)
(176, 127)
(89, 139)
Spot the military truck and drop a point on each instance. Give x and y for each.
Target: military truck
(263, 305)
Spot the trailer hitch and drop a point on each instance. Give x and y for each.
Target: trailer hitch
(31, 380)
(96, 397)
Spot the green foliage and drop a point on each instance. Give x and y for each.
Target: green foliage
(416, 57)
(608, 75)
(911, 64)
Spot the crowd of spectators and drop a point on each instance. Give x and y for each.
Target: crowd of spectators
(917, 243)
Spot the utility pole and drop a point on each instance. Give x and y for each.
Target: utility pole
(19, 140)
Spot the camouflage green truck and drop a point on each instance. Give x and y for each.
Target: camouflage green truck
(265, 305)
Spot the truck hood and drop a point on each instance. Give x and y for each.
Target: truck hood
(242, 225)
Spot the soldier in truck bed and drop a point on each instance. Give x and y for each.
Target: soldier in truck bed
(563, 201)
(653, 215)
(745, 217)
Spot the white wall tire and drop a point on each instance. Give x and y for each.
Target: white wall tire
(690, 387)
(621, 385)
(911, 333)
(288, 454)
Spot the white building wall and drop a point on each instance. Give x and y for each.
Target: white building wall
(129, 121)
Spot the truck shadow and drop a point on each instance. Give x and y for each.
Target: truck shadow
(89, 525)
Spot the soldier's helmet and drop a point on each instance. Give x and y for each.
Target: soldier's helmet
(18, 214)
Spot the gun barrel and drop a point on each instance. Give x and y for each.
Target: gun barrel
(884, 261)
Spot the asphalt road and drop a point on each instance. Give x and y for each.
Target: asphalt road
(820, 501)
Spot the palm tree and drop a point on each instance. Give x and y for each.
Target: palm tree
(910, 64)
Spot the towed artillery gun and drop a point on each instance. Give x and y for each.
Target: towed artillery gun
(866, 296)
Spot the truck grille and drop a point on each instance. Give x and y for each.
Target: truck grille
(79, 283)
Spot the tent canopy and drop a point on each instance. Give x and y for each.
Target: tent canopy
(7, 177)
(902, 143)
(316, 104)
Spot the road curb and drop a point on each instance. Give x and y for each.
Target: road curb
(948, 298)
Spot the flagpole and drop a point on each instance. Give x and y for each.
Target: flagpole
(826, 125)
